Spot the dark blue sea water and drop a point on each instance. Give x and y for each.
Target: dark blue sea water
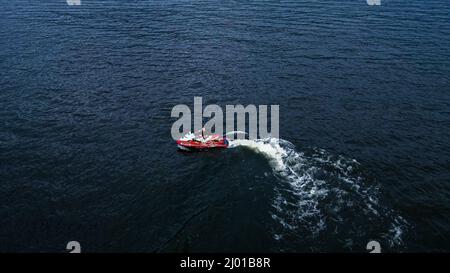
(86, 153)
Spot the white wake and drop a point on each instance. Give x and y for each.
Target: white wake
(319, 192)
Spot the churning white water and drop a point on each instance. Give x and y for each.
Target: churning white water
(321, 193)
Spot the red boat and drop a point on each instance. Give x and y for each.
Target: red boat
(211, 142)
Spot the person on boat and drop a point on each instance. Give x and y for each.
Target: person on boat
(202, 137)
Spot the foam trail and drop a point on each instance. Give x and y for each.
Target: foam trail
(270, 148)
(320, 192)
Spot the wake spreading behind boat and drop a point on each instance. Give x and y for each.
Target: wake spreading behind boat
(191, 142)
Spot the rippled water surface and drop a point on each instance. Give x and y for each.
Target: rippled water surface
(86, 154)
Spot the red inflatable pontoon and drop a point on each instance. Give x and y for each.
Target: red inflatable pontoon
(212, 142)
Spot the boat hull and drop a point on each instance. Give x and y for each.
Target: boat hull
(192, 145)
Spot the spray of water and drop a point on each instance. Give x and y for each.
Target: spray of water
(319, 193)
(235, 133)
